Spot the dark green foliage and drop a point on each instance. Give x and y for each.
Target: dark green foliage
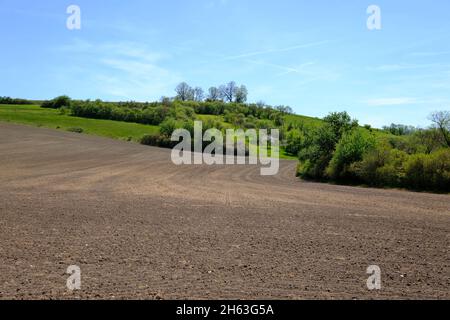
(153, 114)
(428, 172)
(58, 102)
(350, 149)
(238, 114)
(399, 129)
(340, 123)
(158, 140)
(342, 152)
(381, 166)
(9, 100)
(316, 155)
(76, 130)
(168, 126)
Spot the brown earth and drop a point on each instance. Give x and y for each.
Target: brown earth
(141, 227)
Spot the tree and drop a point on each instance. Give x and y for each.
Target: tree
(199, 94)
(340, 122)
(58, 102)
(241, 94)
(350, 149)
(399, 129)
(214, 94)
(284, 109)
(441, 120)
(228, 91)
(184, 92)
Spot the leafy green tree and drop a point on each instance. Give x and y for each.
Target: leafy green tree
(58, 102)
(340, 123)
(350, 149)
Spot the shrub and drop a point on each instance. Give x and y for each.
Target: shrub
(350, 149)
(340, 123)
(64, 111)
(76, 130)
(318, 154)
(9, 100)
(56, 103)
(428, 172)
(168, 126)
(295, 141)
(158, 140)
(427, 140)
(381, 166)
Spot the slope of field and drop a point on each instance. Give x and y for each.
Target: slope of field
(141, 227)
(50, 118)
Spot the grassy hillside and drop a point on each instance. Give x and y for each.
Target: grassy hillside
(294, 119)
(51, 118)
(54, 119)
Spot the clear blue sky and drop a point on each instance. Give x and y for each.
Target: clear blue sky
(315, 56)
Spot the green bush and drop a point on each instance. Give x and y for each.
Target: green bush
(76, 130)
(317, 155)
(158, 140)
(9, 100)
(168, 126)
(428, 172)
(56, 103)
(295, 141)
(381, 166)
(350, 149)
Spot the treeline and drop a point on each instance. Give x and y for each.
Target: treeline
(230, 92)
(9, 100)
(342, 151)
(257, 115)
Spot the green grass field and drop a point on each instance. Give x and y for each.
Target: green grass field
(307, 121)
(50, 118)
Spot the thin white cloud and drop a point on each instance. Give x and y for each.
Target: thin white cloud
(430, 53)
(263, 52)
(401, 67)
(390, 101)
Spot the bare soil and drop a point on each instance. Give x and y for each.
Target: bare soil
(142, 228)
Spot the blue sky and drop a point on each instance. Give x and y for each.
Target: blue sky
(315, 56)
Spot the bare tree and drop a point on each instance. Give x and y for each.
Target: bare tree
(199, 94)
(441, 120)
(228, 91)
(214, 94)
(241, 94)
(184, 92)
